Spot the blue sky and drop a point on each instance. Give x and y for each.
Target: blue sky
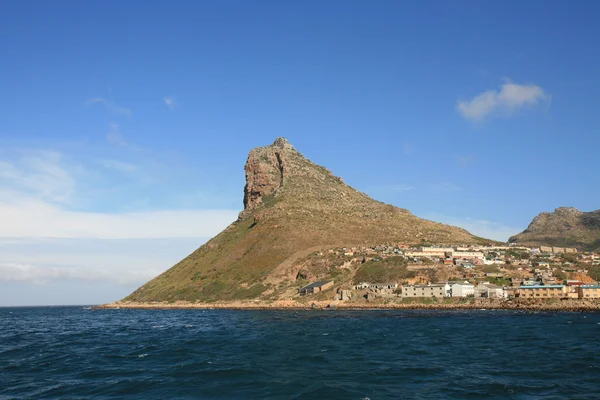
(125, 125)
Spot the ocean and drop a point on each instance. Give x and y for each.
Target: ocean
(80, 353)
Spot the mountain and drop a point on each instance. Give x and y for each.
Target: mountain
(565, 227)
(292, 209)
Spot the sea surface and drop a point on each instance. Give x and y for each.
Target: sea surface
(80, 353)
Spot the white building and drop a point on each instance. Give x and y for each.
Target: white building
(461, 289)
(467, 254)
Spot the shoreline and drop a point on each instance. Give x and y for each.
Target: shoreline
(520, 305)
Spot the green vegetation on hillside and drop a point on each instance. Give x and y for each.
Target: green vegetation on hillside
(391, 269)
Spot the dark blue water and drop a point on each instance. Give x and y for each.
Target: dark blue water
(73, 353)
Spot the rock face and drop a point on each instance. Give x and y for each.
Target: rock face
(265, 171)
(292, 207)
(566, 227)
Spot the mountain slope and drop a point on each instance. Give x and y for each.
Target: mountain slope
(291, 207)
(565, 227)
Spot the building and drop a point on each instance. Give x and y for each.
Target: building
(558, 249)
(570, 250)
(467, 265)
(542, 292)
(467, 255)
(437, 249)
(490, 291)
(529, 281)
(367, 285)
(588, 291)
(431, 290)
(546, 249)
(461, 289)
(315, 287)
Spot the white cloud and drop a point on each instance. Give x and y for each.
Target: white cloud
(109, 105)
(511, 97)
(25, 217)
(15, 272)
(170, 102)
(480, 227)
(40, 196)
(38, 193)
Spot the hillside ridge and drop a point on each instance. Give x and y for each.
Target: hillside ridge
(565, 226)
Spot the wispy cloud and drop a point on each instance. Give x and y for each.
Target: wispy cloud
(125, 168)
(109, 105)
(41, 174)
(444, 187)
(170, 102)
(114, 135)
(389, 189)
(465, 160)
(480, 227)
(33, 218)
(17, 272)
(508, 99)
(400, 188)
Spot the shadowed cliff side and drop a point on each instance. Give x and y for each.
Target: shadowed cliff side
(290, 205)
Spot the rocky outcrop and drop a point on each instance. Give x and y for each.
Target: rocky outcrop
(566, 226)
(265, 172)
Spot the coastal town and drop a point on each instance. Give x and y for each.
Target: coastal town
(480, 272)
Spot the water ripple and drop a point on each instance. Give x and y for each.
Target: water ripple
(76, 353)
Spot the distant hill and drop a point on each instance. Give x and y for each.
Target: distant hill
(565, 227)
(292, 208)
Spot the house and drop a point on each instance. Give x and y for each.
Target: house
(362, 286)
(367, 285)
(467, 255)
(461, 289)
(542, 292)
(390, 286)
(542, 264)
(431, 290)
(494, 274)
(530, 281)
(315, 287)
(490, 291)
(588, 291)
(467, 265)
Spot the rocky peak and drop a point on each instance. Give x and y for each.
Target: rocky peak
(282, 143)
(267, 169)
(566, 211)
